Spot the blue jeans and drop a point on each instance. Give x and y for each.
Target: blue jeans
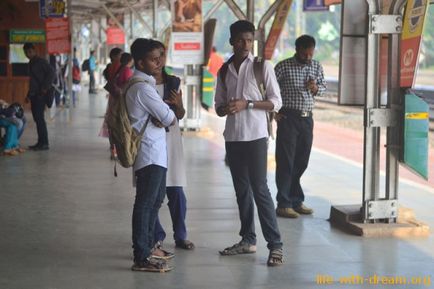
(11, 136)
(150, 190)
(178, 209)
(248, 165)
(293, 146)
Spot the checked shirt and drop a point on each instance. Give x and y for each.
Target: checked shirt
(292, 77)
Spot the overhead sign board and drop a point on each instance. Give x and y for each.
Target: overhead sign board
(314, 5)
(414, 19)
(187, 32)
(58, 35)
(51, 8)
(26, 35)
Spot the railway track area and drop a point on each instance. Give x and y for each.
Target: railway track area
(351, 117)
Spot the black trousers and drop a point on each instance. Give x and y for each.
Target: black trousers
(91, 81)
(38, 109)
(248, 165)
(293, 147)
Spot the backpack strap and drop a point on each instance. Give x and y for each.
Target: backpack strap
(130, 83)
(258, 70)
(223, 71)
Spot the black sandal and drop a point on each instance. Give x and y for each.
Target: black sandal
(184, 244)
(275, 258)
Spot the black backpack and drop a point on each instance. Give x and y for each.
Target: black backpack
(85, 65)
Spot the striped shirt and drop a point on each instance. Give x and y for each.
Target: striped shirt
(292, 77)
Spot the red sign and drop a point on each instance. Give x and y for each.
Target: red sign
(115, 35)
(57, 35)
(409, 57)
(187, 46)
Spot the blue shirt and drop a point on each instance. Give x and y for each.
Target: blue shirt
(92, 63)
(143, 100)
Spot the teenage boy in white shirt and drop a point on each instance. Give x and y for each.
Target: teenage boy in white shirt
(239, 99)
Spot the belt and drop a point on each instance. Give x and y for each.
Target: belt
(300, 113)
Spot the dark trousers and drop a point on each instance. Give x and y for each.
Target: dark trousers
(150, 190)
(38, 109)
(178, 209)
(248, 165)
(293, 146)
(91, 81)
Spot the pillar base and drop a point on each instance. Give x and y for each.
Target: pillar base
(349, 219)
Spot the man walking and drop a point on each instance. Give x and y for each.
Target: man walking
(301, 79)
(41, 79)
(239, 98)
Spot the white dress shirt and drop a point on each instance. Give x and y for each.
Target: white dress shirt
(248, 124)
(143, 100)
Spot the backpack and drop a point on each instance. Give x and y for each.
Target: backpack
(76, 77)
(258, 71)
(121, 133)
(85, 65)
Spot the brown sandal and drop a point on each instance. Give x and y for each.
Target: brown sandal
(159, 253)
(275, 258)
(151, 265)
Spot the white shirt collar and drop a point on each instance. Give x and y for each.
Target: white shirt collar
(147, 77)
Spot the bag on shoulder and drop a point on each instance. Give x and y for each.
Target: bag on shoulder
(76, 77)
(121, 133)
(85, 65)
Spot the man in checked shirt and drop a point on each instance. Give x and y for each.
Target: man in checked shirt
(301, 79)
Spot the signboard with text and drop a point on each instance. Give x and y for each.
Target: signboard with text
(187, 32)
(58, 35)
(414, 19)
(115, 35)
(23, 36)
(51, 8)
(314, 5)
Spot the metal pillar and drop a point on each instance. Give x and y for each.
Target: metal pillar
(371, 162)
(71, 55)
(154, 18)
(260, 33)
(251, 10)
(393, 102)
(236, 9)
(138, 16)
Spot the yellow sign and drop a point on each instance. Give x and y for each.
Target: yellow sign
(23, 36)
(414, 18)
(417, 115)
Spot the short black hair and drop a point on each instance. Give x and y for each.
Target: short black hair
(241, 26)
(305, 41)
(141, 47)
(115, 52)
(126, 58)
(28, 46)
(160, 44)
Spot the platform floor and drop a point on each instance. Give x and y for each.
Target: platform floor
(65, 221)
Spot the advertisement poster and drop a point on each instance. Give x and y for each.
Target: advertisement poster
(115, 35)
(414, 19)
(187, 32)
(51, 8)
(57, 35)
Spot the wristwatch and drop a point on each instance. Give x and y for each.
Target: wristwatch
(250, 104)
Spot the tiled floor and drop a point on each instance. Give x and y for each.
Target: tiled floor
(65, 220)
